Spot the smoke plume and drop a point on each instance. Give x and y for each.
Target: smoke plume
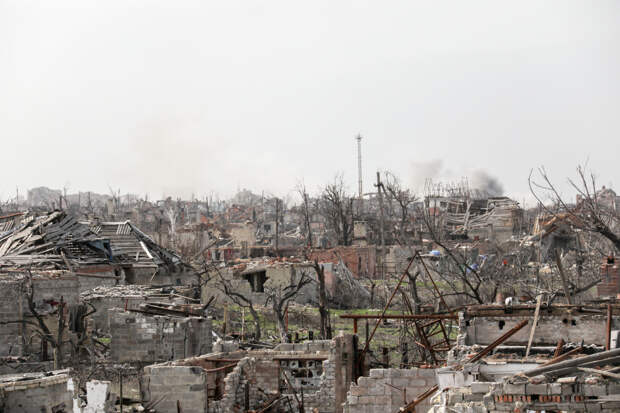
(486, 184)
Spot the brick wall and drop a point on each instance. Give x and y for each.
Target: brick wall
(610, 286)
(361, 261)
(504, 396)
(373, 394)
(142, 337)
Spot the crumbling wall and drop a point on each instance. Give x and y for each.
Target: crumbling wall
(10, 310)
(563, 395)
(610, 285)
(88, 282)
(103, 304)
(362, 261)
(93, 276)
(14, 306)
(185, 384)
(249, 382)
(41, 394)
(550, 329)
(375, 393)
(143, 337)
(277, 276)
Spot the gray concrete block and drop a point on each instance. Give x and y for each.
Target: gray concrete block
(594, 389)
(514, 388)
(535, 389)
(480, 387)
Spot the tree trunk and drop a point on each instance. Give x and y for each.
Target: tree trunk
(323, 310)
(277, 310)
(61, 327)
(307, 219)
(257, 332)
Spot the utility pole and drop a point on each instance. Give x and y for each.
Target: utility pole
(277, 222)
(359, 164)
(379, 186)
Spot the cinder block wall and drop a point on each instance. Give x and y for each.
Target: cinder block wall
(10, 341)
(87, 283)
(142, 337)
(66, 287)
(373, 394)
(259, 371)
(104, 304)
(36, 396)
(550, 328)
(185, 384)
(14, 305)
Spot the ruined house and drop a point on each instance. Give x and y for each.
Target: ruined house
(228, 380)
(142, 260)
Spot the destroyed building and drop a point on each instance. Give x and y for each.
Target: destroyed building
(142, 260)
(315, 375)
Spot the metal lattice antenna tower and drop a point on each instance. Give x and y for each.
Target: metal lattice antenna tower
(359, 163)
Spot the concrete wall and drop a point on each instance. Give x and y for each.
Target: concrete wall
(14, 305)
(86, 282)
(104, 304)
(42, 395)
(502, 396)
(147, 338)
(66, 286)
(278, 276)
(549, 330)
(152, 275)
(242, 232)
(10, 334)
(185, 384)
(259, 373)
(373, 394)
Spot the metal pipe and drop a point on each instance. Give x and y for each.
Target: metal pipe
(400, 316)
(576, 362)
(497, 342)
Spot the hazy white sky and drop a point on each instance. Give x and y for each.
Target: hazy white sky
(200, 96)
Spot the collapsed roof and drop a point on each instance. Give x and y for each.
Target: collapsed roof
(58, 241)
(52, 241)
(131, 246)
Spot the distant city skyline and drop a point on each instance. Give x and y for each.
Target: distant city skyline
(170, 98)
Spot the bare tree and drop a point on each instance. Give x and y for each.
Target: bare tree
(403, 197)
(278, 214)
(171, 215)
(337, 208)
(326, 333)
(305, 208)
(279, 298)
(238, 298)
(39, 327)
(589, 214)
